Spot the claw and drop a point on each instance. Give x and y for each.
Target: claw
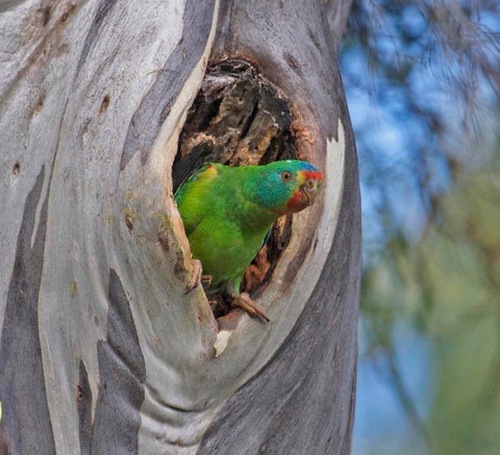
(206, 281)
(244, 301)
(196, 277)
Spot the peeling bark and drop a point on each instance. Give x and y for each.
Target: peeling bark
(104, 345)
(25, 414)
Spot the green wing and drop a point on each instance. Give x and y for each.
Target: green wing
(194, 194)
(190, 179)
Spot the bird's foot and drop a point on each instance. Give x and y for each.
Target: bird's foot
(206, 281)
(244, 301)
(196, 277)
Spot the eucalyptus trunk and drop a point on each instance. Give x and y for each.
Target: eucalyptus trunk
(104, 345)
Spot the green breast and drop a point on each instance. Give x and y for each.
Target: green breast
(225, 251)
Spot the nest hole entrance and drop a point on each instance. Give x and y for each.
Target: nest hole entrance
(239, 118)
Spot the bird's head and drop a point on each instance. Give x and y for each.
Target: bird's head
(287, 186)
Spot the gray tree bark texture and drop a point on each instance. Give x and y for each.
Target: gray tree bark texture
(102, 349)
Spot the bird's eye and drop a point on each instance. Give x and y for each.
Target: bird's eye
(286, 176)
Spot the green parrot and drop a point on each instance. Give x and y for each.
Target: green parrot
(228, 212)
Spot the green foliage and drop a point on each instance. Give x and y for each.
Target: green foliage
(461, 260)
(448, 285)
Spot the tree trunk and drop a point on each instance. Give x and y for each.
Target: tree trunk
(104, 348)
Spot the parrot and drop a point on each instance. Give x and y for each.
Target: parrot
(228, 213)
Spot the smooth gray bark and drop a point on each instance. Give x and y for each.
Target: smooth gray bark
(102, 350)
